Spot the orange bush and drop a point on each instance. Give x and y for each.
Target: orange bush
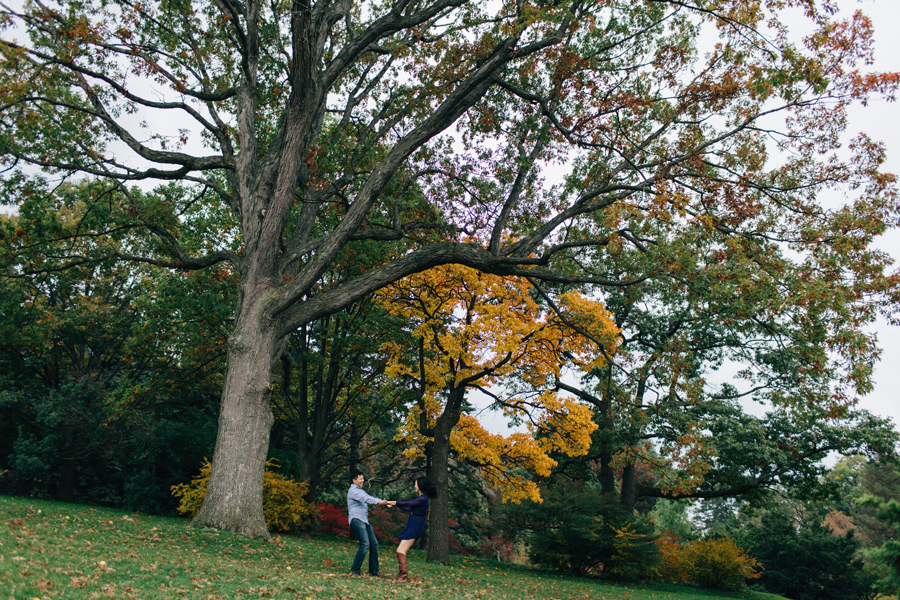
(670, 565)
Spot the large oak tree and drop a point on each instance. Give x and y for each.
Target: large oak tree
(317, 119)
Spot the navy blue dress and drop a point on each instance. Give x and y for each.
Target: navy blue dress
(415, 525)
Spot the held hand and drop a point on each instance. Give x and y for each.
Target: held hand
(383, 503)
(392, 504)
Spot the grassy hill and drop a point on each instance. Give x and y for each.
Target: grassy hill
(55, 550)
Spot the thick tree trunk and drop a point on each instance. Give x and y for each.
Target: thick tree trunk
(439, 509)
(308, 467)
(354, 458)
(439, 473)
(629, 487)
(607, 446)
(234, 498)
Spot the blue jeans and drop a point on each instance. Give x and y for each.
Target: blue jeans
(367, 543)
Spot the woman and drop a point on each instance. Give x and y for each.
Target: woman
(415, 525)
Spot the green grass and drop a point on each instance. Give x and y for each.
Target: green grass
(55, 550)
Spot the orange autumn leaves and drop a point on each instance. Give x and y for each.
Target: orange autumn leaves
(482, 331)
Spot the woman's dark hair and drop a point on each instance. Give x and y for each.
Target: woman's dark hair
(426, 487)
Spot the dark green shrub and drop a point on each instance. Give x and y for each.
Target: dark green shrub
(576, 530)
(807, 562)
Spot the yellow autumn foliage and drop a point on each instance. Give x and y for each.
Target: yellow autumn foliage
(479, 329)
(501, 458)
(714, 563)
(284, 503)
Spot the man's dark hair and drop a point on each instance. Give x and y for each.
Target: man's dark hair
(355, 473)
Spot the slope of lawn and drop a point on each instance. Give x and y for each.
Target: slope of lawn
(56, 550)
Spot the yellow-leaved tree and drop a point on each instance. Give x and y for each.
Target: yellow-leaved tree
(472, 330)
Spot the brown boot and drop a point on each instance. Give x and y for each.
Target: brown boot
(403, 574)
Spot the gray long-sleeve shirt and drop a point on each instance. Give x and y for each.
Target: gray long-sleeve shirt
(358, 503)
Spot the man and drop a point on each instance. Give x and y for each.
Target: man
(358, 502)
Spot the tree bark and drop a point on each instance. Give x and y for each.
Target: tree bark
(439, 473)
(234, 498)
(607, 443)
(439, 509)
(629, 487)
(354, 458)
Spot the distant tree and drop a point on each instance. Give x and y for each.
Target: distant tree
(806, 561)
(854, 478)
(672, 516)
(889, 553)
(719, 516)
(334, 394)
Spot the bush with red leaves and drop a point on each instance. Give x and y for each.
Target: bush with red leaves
(332, 520)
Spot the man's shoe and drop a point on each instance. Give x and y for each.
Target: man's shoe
(355, 574)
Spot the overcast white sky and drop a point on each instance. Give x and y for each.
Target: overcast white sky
(881, 120)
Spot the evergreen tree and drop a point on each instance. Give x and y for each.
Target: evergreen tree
(806, 562)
